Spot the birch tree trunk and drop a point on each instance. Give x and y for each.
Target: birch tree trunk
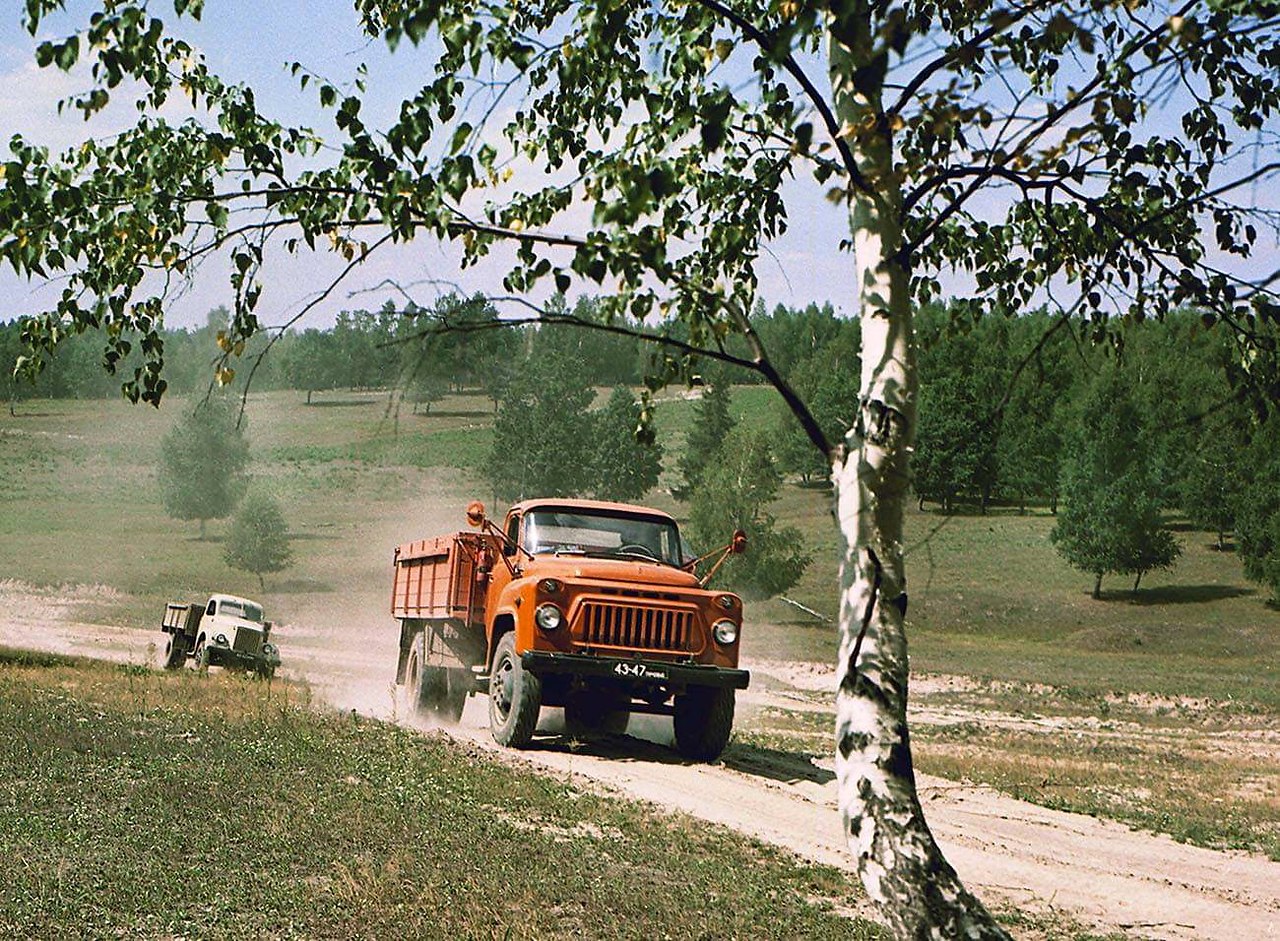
(900, 864)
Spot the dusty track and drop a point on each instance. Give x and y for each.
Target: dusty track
(1010, 852)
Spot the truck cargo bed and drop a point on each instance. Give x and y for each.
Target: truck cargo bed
(443, 578)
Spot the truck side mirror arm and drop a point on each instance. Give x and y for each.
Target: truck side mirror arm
(488, 527)
(737, 545)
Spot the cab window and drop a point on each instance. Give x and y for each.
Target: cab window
(513, 536)
(212, 608)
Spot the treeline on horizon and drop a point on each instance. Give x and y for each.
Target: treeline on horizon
(1000, 397)
(386, 348)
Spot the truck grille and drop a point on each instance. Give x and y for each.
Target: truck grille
(247, 641)
(636, 627)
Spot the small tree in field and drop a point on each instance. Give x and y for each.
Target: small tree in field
(202, 463)
(542, 432)
(711, 424)
(259, 539)
(741, 479)
(1110, 522)
(624, 466)
(1257, 511)
(1213, 480)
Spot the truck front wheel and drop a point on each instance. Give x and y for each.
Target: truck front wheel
(515, 697)
(703, 721)
(175, 651)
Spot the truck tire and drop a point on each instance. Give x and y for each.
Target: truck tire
(175, 651)
(201, 656)
(703, 721)
(266, 673)
(458, 684)
(596, 712)
(515, 697)
(430, 690)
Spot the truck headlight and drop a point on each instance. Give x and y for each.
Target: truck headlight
(220, 640)
(268, 649)
(725, 632)
(548, 617)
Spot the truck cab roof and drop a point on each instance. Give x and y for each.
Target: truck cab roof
(243, 609)
(568, 504)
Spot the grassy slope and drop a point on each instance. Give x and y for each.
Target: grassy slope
(140, 804)
(989, 597)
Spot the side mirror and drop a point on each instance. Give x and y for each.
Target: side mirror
(738, 544)
(475, 513)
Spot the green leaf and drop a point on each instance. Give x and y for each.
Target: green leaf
(460, 137)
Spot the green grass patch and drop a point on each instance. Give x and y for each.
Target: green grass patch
(142, 804)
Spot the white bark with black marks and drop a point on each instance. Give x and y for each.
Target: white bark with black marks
(900, 864)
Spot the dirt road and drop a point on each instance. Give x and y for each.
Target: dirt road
(1012, 853)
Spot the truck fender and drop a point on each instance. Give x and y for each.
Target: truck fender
(503, 623)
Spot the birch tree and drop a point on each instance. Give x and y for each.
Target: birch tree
(1098, 157)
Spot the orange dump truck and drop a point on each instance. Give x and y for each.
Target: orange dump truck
(586, 605)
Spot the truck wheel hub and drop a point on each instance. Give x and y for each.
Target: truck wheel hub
(503, 685)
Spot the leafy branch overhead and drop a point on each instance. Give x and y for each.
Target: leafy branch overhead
(1112, 134)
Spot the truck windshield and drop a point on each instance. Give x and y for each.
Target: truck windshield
(241, 609)
(602, 534)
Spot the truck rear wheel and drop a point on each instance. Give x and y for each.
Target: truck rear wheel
(515, 697)
(175, 651)
(431, 690)
(703, 721)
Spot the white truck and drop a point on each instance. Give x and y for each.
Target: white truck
(226, 631)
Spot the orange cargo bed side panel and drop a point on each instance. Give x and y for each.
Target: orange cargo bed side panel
(437, 578)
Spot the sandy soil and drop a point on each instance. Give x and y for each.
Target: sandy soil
(1010, 852)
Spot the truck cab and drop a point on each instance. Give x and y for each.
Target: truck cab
(592, 606)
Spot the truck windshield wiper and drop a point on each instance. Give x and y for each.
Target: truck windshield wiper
(629, 554)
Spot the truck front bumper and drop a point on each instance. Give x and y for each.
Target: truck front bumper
(650, 672)
(220, 656)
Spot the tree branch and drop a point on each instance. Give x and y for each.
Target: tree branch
(820, 104)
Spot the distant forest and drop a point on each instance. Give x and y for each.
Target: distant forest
(1001, 401)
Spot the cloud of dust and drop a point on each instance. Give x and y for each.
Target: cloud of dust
(344, 641)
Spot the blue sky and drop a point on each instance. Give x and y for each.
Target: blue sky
(252, 42)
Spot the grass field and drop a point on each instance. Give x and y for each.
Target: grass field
(1190, 655)
(142, 804)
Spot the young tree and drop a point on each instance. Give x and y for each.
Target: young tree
(259, 539)
(711, 425)
(1213, 479)
(1110, 520)
(1014, 144)
(734, 492)
(543, 432)
(627, 460)
(202, 462)
(1257, 511)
